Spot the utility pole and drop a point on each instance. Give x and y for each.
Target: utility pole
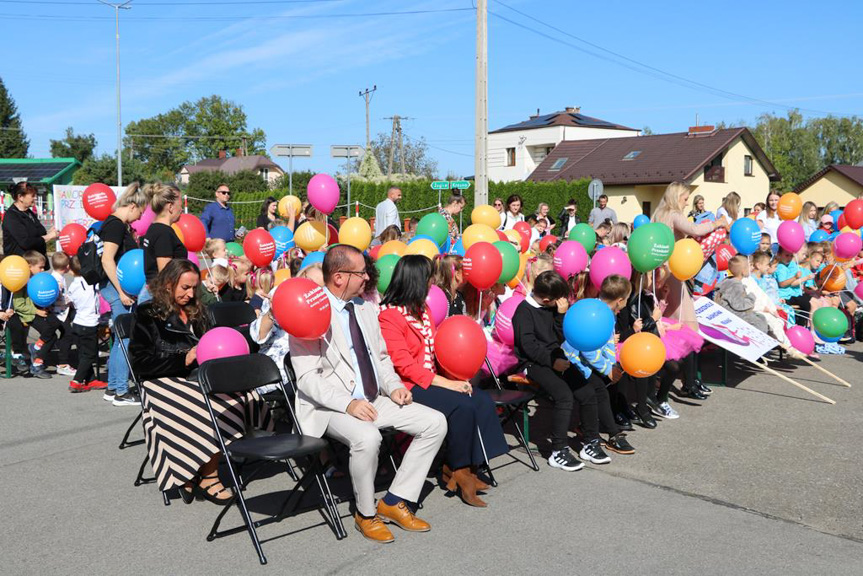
(396, 126)
(117, 8)
(367, 95)
(401, 149)
(481, 135)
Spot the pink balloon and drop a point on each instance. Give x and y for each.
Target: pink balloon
(104, 307)
(847, 245)
(858, 290)
(438, 304)
(791, 235)
(221, 342)
(801, 338)
(141, 225)
(503, 330)
(607, 262)
(570, 258)
(323, 193)
(194, 258)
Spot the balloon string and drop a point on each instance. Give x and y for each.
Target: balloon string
(829, 273)
(640, 287)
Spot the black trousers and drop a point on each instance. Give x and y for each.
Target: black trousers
(805, 303)
(640, 387)
(64, 343)
(685, 367)
(18, 333)
(87, 340)
(48, 328)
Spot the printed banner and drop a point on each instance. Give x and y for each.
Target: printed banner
(727, 331)
(69, 206)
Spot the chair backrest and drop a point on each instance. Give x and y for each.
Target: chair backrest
(231, 314)
(238, 374)
(123, 325)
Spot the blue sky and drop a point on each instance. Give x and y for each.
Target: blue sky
(297, 67)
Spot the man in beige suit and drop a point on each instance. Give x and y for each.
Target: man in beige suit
(348, 390)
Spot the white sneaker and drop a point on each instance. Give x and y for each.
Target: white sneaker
(66, 370)
(667, 412)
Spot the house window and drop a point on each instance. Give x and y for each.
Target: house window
(646, 208)
(558, 164)
(632, 155)
(747, 165)
(510, 156)
(265, 173)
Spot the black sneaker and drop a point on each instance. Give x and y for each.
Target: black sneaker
(564, 460)
(702, 388)
(693, 393)
(593, 452)
(127, 399)
(618, 443)
(623, 422)
(109, 395)
(39, 371)
(645, 420)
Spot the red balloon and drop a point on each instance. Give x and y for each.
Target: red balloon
(546, 242)
(72, 236)
(194, 233)
(460, 347)
(502, 236)
(854, 214)
(98, 200)
(482, 265)
(842, 222)
(259, 247)
(302, 308)
(522, 228)
(724, 253)
(333, 235)
(373, 251)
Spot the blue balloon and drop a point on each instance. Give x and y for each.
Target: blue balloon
(43, 289)
(745, 236)
(588, 325)
(313, 258)
(457, 248)
(284, 239)
(835, 215)
(640, 220)
(819, 236)
(97, 226)
(130, 272)
(833, 236)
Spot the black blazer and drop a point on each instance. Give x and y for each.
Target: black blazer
(632, 312)
(22, 231)
(158, 347)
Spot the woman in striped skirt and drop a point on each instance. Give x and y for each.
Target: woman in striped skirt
(183, 448)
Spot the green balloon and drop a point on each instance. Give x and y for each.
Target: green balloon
(650, 246)
(584, 235)
(234, 249)
(830, 322)
(386, 265)
(435, 227)
(511, 261)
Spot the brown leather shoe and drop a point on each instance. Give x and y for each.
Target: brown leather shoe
(480, 485)
(467, 487)
(401, 516)
(446, 476)
(373, 529)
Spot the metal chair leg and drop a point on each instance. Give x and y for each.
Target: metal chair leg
(524, 443)
(485, 457)
(124, 443)
(139, 479)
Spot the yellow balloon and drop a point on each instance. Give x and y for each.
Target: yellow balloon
(311, 235)
(281, 275)
(14, 273)
(396, 247)
(288, 202)
(522, 265)
(423, 246)
(513, 236)
(179, 233)
(847, 229)
(686, 260)
(356, 232)
(478, 233)
(487, 215)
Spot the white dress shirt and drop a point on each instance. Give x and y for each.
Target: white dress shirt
(344, 317)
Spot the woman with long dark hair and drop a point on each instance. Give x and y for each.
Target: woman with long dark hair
(513, 213)
(267, 217)
(472, 420)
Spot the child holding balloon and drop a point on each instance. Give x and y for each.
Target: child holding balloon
(30, 314)
(85, 327)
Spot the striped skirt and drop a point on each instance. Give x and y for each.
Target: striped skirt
(179, 432)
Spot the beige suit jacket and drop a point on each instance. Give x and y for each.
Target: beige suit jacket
(325, 372)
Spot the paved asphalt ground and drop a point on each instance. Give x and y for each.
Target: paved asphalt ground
(760, 479)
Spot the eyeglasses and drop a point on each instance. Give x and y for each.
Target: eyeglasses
(360, 273)
(228, 192)
(498, 205)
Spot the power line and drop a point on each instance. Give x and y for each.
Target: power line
(55, 18)
(144, 5)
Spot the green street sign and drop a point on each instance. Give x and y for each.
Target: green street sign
(460, 185)
(440, 185)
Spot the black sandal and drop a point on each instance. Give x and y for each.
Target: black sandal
(200, 492)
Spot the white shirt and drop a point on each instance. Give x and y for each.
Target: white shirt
(769, 225)
(509, 220)
(60, 307)
(344, 317)
(386, 214)
(85, 300)
(723, 212)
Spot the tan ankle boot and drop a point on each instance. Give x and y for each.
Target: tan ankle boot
(466, 483)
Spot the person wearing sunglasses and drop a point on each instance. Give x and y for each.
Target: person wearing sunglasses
(568, 217)
(218, 218)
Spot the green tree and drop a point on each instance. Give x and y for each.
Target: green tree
(791, 145)
(13, 140)
(840, 139)
(159, 141)
(300, 181)
(77, 146)
(104, 169)
(417, 161)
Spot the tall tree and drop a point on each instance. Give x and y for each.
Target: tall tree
(104, 169)
(417, 160)
(13, 141)
(77, 146)
(791, 146)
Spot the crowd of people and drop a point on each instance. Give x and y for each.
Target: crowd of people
(376, 366)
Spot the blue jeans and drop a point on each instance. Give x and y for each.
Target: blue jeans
(118, 370)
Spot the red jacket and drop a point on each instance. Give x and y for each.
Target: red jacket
(406, 347)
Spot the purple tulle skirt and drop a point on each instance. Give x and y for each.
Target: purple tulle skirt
(681, 342)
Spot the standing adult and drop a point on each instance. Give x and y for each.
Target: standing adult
(117, 239)
(161, 243)
(498, 205)
(730, 208)
(452, 209)
(697, 207)
(542, 214)
(513, 214)
(386, 213)
(267, 217)
(568, 217)
(769, 220)
(22, 230)
(218, 218)
(601, 213)
(349, 390)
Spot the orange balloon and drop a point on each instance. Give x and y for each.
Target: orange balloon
(425, 247)
(478, 233)
(522, 265)
(790, 206)
(289, 203)
(311, 235)
(642, 355)
(686, 260)
(396, 247)
(831, 279)
(179, 233)
(281, 275)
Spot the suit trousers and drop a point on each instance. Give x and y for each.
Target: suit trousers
(427, 426)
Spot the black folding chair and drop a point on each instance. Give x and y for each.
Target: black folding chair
(242, 374)
(236, 315)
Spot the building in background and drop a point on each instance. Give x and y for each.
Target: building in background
(266, 168)
(43, 173)
(838, 183)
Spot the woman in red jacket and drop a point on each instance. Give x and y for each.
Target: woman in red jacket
(409, 332)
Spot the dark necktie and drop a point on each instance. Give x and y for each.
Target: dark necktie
(364, 361)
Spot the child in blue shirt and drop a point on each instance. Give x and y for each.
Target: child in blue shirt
(791, 279)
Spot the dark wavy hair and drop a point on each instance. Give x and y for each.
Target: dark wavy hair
(162, 288)
(266, 205)
(409, 286)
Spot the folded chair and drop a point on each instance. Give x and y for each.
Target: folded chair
(243, 374)
(237, 315)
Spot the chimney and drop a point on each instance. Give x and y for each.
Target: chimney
(239, 152)
(223, 154)
(701, 130)
(573, 109)
(537, 114)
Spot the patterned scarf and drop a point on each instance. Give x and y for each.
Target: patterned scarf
(424, 328)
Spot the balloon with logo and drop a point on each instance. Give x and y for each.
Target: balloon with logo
(503, 329)
(801, 339)
(789, 207)
(284, 239)
(386, 265)
(570, 258)
(43, 289)
(791, 235)
(485, 214)
(130, 272)
(424, 247)
(72, 236)
(640, 221)
(194, 233)
(142, 224)
(460, 347)
(510, 260)
(724, 253)
(650, 246)
(323, 193)
(584, 235)
(854, 214)
(290, 205)
(829, 323)
(846, 246)
(356, 232)
(396, 247)
(478, 233)
(259, 247)
(302, 308)
(221, 342)
(311, 235)
(438, 304)
(686, 259)
(745, 236)
(98, 200)
(457, 248)
(588, 324)
(434, 226)
(831, 279)
(234, 249)
(14, 272)
(607, 262)
(482, 265)
(642, 355)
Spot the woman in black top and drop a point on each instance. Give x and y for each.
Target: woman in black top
(267, 217)
(22, 230)
(161, 243)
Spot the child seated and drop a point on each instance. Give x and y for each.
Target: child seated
(732, 295)
(85, 327)
(258, 286)
(29, 314)
(790, 280)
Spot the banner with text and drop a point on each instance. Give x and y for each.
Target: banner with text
(727, 331)
(69, 206)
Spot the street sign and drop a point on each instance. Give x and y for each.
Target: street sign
(349, 151)
(440, 185)
(292, 150)
(594, 189)
(460, 185)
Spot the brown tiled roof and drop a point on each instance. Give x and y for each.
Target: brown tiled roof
(562, 118)
(660, 159)
(853, 173)
(233, 165)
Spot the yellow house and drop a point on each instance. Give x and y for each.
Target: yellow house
(838, 183)
(635, 171)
